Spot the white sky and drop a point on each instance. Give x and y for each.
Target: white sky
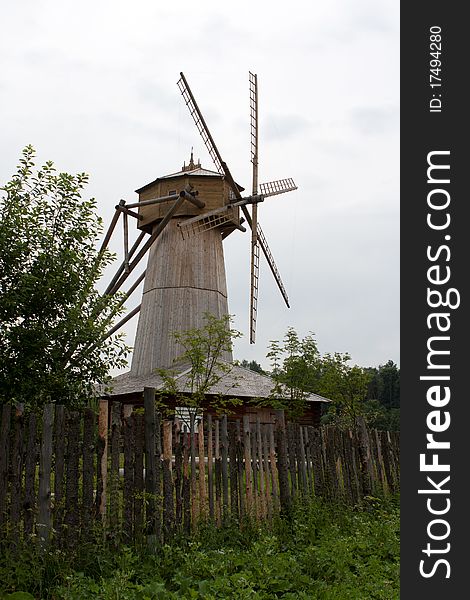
(92, 86)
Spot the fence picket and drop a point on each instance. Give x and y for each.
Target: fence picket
(45, 463)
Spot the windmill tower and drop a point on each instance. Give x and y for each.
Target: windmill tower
(183, 219)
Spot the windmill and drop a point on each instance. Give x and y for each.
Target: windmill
(184, 218)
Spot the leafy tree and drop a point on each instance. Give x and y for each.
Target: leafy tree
(300, 369)
(52, 319)
(384, 385)
(203, 352)
(295, 368)
(253, 365)
(346, 386)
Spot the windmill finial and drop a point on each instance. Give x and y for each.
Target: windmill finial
(191, 166)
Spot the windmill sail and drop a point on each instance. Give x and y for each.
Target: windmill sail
(254, 263)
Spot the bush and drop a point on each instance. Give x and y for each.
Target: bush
(323, 551)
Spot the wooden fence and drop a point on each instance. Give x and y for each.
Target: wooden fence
(142, 478)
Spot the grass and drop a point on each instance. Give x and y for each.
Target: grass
(322, 552)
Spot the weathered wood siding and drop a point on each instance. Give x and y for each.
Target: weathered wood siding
(185, 278)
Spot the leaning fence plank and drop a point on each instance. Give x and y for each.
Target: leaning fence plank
(248, 472)
(60, 438)
(240, 470)
(88, 468)
(128, 512)
(103, 418)
(138, 477)
(317, 468)
(16, 491)
(365, 457)
(71, 518)
(114, 477)
(150, 465)
(233, 470)
(224, 449)
(178, 475)
(348, 468)
(292, 461)
(158, 457)
(386, 458)
(45, 461)
(210, 478)
(30, 474)
(273, 465)
(259, 447)
(218, 474)
(302, 456)
(186, 483)
(168, 509)
(267, 473)
(192, 438)
(201, 467)
(254, 471)
(281, 442)
(4, 456)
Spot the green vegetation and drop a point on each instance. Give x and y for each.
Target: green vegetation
(203, 351)
(323, 552)
(300, 369)
(52, 318)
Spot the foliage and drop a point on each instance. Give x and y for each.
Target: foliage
(346, 386)
(324, 552)
(203, 355)
(380, 417)
(253, 365)
(52, 317)
(299, 368)
(384, 385)
(295, 364)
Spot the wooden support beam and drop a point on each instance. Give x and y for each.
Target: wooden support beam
(122, 266)
(103, 466)
(122, 322)
(109, 233)
(126, 242)
(152, 201)
(193, 199)
(122, 207)
(160, 227)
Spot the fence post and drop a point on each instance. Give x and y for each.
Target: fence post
(283, 473)
(248, 475)
(168, 512)
(364, 456)
(224, 449)
(103, 441)
(44, 495)
(201, 467)
(30, 475)
(150, 465)
(210, 479)
(4, 454)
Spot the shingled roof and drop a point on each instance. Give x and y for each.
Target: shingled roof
(239, 382)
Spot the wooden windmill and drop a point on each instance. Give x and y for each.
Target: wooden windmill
(187, 215)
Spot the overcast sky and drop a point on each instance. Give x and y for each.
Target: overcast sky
(92, 86)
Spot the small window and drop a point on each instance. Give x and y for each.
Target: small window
(172, 193)
(182, 414)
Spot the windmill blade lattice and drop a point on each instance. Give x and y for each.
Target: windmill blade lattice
(254, 261)
(281, 186)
